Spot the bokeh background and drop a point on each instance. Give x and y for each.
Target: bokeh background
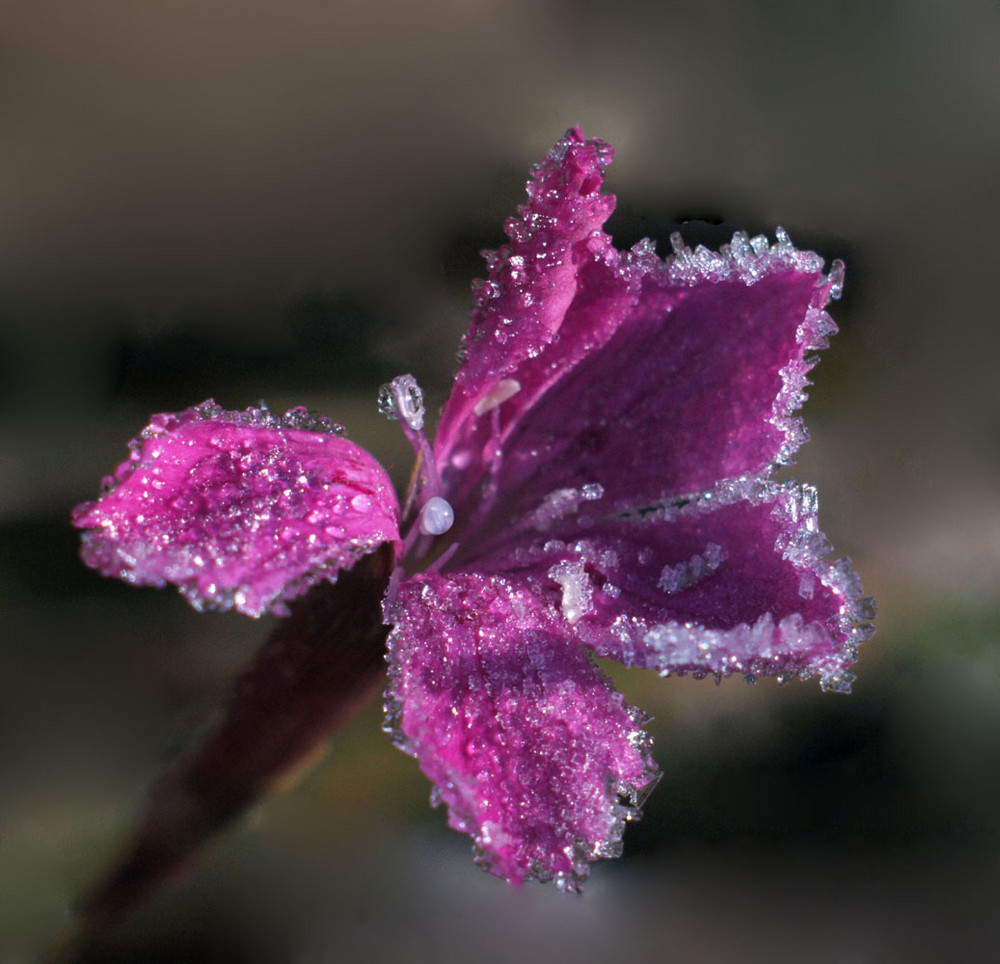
(286, 200)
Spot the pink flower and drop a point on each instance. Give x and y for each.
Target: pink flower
(599, 485)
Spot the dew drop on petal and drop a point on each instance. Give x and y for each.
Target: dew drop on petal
(686, 574)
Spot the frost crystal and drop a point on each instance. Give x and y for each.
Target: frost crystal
(686, 574)
(563, 503)
(577, 591)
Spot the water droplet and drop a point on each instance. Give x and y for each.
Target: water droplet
(436, 517)
(577, 591)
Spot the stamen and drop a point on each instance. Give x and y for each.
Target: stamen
(403, 399)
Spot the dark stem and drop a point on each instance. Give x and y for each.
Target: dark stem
(311, 675)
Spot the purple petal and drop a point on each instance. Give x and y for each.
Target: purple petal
(554, 293)
(238, 509)
(536, 756)
(697, 384)
(652, 378)
(732, 581)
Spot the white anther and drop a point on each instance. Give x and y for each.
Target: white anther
(436, 517)
(504, 389)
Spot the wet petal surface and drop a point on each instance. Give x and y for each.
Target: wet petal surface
(536, 756)
(239, 510)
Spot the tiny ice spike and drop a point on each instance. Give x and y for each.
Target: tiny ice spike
(600, 485)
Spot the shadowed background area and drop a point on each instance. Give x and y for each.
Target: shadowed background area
(286, 201)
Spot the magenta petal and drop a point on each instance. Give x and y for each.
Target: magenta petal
(238, 509)
(732, 581)
(554, 293)
(536, 756)
(533, 279)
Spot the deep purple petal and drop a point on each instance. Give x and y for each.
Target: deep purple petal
(238, 509)
(732, 581)
(536, 756)
(554, 293)
(698, 384)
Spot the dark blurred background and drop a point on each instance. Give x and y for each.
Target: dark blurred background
(286, 200)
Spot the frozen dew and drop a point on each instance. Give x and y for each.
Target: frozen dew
(837, 681)
(387, 401)
(686, 574)
(836, 278)
(577, 590)
(436, 517)
(562, 503)
(748, 259)
(807, 585)
(304, 420)
(791, 648)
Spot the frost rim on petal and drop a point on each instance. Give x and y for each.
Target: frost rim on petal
(750, 260)
(806, 547)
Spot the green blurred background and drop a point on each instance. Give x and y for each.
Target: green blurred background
(286, 200)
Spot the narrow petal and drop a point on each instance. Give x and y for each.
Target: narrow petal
(554, 293)
(239, 510)
(536, 756)
(731, 581)
(654, 378)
